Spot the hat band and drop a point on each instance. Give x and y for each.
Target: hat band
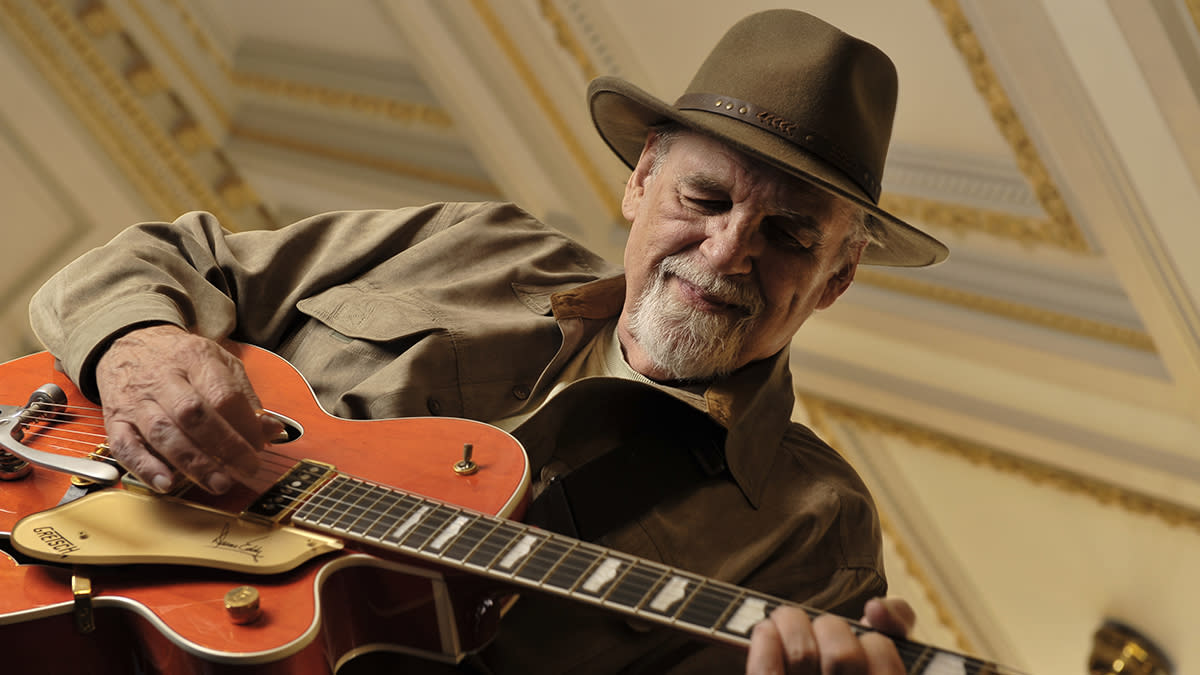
(780, 126)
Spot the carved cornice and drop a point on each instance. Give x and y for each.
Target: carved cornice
(340, 99)
(1060, 229)
(824, 412)
(543, 100)
(482, 187)
(566, 38)
(110, 83)
(963, 220)
(1064, 323)
(916, 572)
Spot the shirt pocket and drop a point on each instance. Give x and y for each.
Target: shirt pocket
(361, 349)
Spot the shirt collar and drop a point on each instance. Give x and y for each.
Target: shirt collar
(754, 404)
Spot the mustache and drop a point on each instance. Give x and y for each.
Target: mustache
(743, 296)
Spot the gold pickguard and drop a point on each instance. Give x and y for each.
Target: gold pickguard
(122, 527)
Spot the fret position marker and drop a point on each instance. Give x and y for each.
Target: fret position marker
(449, 532)
(409, 523)
(519, 551)
(671, 593)
(751, 612)
(605, 573)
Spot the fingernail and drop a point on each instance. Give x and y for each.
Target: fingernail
(161, 483)
(273, 428)
(219, 483)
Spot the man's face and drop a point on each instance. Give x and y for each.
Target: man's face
(726, 259)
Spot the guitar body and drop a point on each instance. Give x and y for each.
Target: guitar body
(315, 616)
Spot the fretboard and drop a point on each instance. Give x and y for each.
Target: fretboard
(525, 556)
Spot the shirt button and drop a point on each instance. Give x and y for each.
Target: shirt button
(521, 391)
(434, 405)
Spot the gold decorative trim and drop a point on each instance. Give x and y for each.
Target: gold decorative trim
(168, 45)
(566, 38)
(572, 145)
(106, 132)
(329, 97)
(483, 187)
(114, 101)
(1064, 323)
(1193, 7)
(823, 411)
(374, 106)
(1061, 229)
(944, 616)
(963, 220)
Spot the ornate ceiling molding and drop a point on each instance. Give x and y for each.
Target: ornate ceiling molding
(917, 573)
(963, 220)
(824, 412)
(424, 173)
(1064, 323)
(1060, 229)
(544, 102)
(108, 80)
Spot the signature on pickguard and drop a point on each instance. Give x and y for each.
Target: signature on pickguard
(250, 547)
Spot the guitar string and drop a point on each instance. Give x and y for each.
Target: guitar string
(576, 566)
(570, 560)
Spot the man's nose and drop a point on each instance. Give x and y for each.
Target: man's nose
(732, 242)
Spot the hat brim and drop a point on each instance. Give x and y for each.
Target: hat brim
(623, 113)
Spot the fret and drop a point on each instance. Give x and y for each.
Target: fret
(323, 503)
(601, 575)
(945, 662)
(473, 535)
(569, 567)
(557, 564)
(707, 606)
(743, 613)
(356, 502)
(636, 585)
(428, 533)
(504, 547)
(751, 609)
(670, 598)
(915, 662)
(392, 510)
(671, 592)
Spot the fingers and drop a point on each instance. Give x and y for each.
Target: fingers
(789, 642)
(176, 400)
(893, 616)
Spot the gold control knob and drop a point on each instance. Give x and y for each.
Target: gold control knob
(241, 604)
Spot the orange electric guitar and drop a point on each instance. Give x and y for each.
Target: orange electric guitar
(362, 535)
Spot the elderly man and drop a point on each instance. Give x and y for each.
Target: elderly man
(752, 200)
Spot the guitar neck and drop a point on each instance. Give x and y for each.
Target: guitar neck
(507, 551)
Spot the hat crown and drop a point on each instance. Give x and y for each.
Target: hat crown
(812, 84)
(788, 89)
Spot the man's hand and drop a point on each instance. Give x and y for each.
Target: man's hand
(788, 642)
(173, 399)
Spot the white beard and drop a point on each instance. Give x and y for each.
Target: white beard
(686, 343)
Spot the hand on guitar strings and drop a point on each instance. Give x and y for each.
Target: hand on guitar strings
(174, 400)
(789, 642)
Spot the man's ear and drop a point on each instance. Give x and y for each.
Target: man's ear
(635, 187)
(840, 282)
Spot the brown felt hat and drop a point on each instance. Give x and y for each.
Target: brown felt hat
(785, 87)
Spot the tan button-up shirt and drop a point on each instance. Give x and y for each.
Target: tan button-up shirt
(469, 310)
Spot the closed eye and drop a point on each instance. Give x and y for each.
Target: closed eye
(709, 205)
